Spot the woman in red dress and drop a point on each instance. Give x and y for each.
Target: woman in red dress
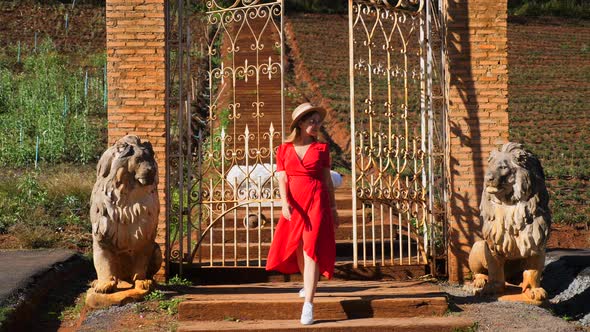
(304, 239)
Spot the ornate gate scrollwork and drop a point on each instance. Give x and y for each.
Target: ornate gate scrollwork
(226, 118)
(398, 128)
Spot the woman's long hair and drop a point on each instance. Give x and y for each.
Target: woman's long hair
(296, 132)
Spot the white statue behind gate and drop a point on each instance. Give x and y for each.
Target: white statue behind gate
(257, 181)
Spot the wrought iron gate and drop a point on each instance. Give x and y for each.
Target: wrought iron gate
(398, 128)
(225, 119)
(226, 116)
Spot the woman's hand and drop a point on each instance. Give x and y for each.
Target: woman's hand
(286, 210)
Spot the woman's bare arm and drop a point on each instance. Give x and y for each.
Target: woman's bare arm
(285, 208)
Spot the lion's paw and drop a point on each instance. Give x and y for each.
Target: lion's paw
(536, 294)
(480, 280)
(105, 286)
(144, 284)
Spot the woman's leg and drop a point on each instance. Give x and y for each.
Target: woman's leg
(311, 275)
(300, 260)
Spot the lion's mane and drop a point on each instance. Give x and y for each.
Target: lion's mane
(515, 203)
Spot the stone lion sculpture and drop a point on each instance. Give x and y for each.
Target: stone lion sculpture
(516, 218)
(124, 215)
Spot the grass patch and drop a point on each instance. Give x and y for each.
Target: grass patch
(49, 207)
(167, 305)
(170, 306)
(34, 236)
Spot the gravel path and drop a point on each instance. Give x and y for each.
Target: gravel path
(567, 281)
(492, 315)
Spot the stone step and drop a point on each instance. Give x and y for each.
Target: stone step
(335, 300)
(424, 324)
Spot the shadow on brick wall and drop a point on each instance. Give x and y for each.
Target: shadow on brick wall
(465, 226)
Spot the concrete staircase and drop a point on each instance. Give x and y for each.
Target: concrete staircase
(338, 306)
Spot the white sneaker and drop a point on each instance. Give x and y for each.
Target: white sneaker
(307, 314)
(302, 292)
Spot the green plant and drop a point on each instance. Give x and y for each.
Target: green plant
(20, 200)
(5, 312)
(175, 208)
(170, 306)
(155, 295)
(179, 281)
(73, 311)
(46, 111)
(224, 118)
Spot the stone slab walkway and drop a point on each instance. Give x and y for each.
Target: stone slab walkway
(19, 269)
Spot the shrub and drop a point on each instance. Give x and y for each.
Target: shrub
(34, 236)
(19, 200)
(49, 208)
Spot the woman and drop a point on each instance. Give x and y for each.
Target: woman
(304, 239)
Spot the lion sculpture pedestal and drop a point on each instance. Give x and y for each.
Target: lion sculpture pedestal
(516, 217)
(124, 214)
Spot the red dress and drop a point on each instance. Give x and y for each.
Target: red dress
(311, 215)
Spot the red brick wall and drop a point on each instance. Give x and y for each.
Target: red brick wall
(136, 76)
(477, 49)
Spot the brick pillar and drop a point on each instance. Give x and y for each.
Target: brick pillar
(477, 60)
(136, 76)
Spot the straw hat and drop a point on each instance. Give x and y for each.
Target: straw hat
(303, 109)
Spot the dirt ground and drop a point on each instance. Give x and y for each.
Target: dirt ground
(569, 236)
(131, 317)
(144, 316)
